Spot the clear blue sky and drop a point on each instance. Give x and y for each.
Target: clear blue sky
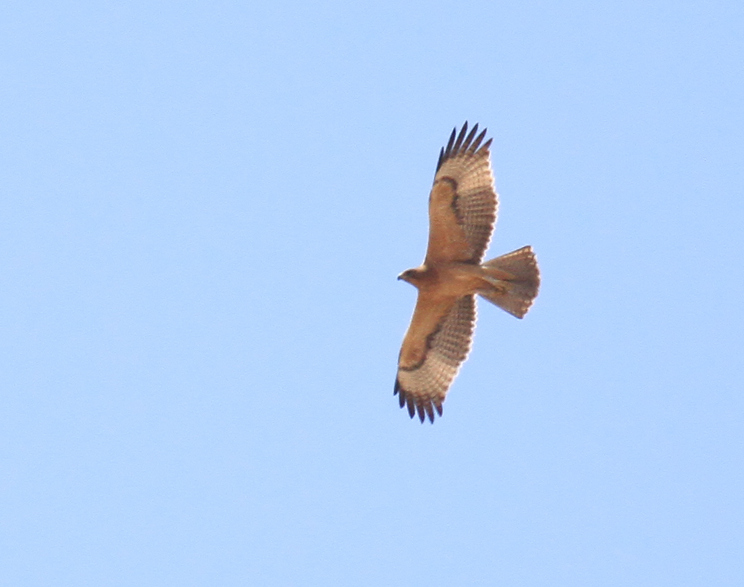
(203, 210)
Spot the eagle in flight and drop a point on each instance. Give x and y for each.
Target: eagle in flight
(462, 214)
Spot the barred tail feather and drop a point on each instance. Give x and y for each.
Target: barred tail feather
(512, 281)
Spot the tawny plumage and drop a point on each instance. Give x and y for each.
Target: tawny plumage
(462, 214)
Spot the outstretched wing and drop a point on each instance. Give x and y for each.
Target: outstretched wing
(436, 344)
(463, 202)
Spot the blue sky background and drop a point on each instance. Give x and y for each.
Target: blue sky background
(204, 209)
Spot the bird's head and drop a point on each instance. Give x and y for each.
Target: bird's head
(411, 275)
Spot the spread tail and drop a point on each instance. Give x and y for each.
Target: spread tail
(512, 281)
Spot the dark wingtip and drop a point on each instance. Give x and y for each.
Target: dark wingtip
(423, 410)
(466, 146)
(451, 142)
(478, 140)
(400, 392)
(460, 138)
(463, 142)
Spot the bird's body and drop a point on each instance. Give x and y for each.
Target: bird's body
(462, 213)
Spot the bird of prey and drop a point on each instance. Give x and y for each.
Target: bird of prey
(462, 214)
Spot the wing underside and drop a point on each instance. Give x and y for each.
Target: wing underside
(463, 201)
(422, 382)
